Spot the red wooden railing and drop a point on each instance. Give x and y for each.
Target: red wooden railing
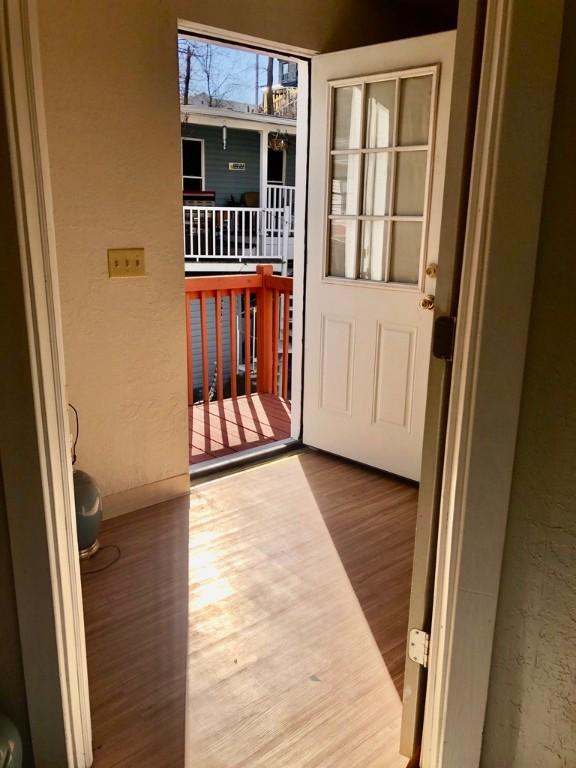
(270, 295)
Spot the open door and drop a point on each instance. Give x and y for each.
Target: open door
(378, 138)
(379, 121)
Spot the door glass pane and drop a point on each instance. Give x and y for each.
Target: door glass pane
(380, 106)
(373, 252)
(377, 184)
(347, 110)
(415, 104)
(410, 183)
(405, 251)
(344, 199)
(342, 249)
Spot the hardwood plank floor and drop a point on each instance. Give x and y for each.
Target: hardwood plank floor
(229, 635)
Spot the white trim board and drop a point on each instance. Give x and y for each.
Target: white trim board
(33, 431)
(220, 117)
(240, 40)
(508, 175)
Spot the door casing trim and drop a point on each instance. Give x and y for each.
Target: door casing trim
(505, 203)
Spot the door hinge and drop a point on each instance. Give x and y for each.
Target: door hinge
(418, 646)
(443, 337)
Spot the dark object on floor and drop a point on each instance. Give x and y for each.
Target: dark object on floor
(88, 502)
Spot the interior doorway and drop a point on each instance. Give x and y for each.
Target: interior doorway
(261, 552)
(243, 123)
(251, 558)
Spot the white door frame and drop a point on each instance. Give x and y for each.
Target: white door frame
(505, 202)
(34, 437)
(498, 276)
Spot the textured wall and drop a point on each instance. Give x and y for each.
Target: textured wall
(531, 717)
(325, 25)
(109, 69)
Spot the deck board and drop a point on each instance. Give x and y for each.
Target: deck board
(222, 427)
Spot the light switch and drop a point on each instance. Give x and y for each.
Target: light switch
(126, 262)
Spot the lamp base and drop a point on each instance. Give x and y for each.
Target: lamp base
(90, 551)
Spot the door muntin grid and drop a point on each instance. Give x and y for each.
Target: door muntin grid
(379, 177)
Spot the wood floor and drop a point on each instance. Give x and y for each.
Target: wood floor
(229, 635)
(227, 426)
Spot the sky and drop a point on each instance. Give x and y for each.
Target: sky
(234, 69)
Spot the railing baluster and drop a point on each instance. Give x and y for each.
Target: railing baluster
(233, 352)
(247, 365)
(221, 214)
(243, 231)
(204, 342)
(218, 323)
(285, 345)
(250, 218)
(189, 350)
(206, 232)
(228, 233)
(275, 329)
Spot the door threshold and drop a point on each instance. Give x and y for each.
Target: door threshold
(234, 461)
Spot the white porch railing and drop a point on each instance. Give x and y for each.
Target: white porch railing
(240, 235)
(278, 198)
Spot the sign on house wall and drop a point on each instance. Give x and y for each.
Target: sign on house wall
(236, 166)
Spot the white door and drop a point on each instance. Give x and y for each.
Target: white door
(378, 133)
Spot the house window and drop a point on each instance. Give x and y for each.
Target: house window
(192, 165)
(276, 166)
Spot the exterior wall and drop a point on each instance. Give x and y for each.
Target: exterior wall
(531, 713)
(211, 333)
(241, 147)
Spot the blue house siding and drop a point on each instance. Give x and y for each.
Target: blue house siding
(242, 147)
(211, 333)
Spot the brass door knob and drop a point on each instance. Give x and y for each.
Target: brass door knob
(427, 302)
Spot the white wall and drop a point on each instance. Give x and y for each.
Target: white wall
(531, 717)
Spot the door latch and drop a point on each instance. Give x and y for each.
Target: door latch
(443, 337)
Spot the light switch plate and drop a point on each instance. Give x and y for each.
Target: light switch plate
(126, 262)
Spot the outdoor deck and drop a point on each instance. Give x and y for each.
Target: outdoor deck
(235, 424)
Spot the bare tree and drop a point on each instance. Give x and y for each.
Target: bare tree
(206, 71)
(269, 103)
(187, 74)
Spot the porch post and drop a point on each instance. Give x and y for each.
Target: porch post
(263, 166)
(264, 321)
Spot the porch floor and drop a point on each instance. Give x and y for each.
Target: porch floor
(228, 426)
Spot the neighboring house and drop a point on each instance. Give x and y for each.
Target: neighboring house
(238, 195)
(238, 185)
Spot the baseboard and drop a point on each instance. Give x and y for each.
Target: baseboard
(145, 495)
